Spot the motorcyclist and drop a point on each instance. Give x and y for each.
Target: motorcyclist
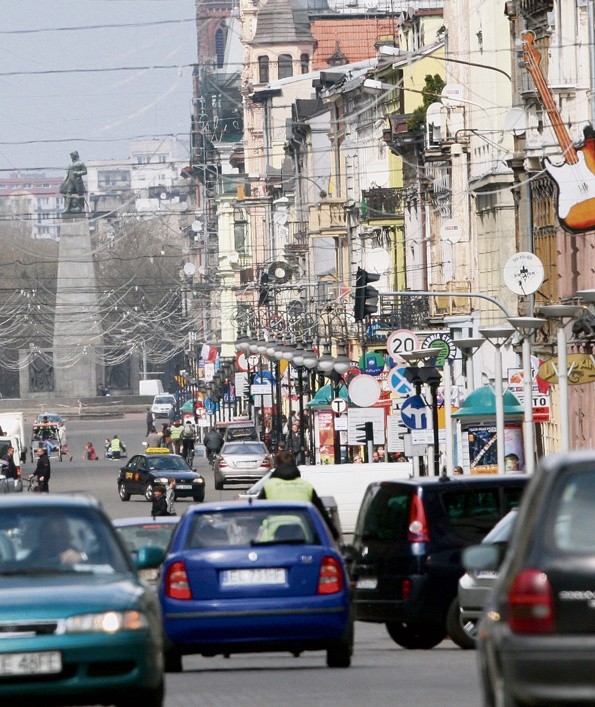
(213, 441)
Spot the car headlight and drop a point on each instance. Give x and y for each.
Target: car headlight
(105, 622)
(200, 480)
(163, 480)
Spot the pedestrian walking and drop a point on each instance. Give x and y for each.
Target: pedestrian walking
(153, 439)
(159, 504)
(10, 468)
(150, 421)
(42, 470)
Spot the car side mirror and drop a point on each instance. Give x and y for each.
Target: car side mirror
(149, 557)
(479, 558)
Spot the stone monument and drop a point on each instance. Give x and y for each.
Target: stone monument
(78, 335)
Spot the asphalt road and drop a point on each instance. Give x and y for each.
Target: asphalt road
(382, 673)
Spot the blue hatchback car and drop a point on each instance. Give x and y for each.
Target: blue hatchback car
(76, 623)
(255, 576)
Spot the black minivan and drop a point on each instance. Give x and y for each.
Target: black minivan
(406, 555)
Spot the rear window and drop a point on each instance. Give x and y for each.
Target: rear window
(573, 518)
(243, 448)
(251, 528)
(384, 514)
(472, 511)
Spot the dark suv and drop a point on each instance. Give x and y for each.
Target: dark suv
(536, 640)
(406, 555)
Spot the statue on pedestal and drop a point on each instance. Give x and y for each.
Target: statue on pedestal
(73, 187)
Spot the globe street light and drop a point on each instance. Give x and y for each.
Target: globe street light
(561, 314)
(526, 326)
(498, 336)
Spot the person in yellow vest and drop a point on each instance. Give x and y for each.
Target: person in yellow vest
(116, 447)
(176, 436)
(286, 484)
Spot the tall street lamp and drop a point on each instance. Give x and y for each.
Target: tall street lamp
(561, 314)
(498, 336)
(467, 347)
(526, 326)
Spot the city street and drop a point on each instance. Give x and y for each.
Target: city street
(382, 673)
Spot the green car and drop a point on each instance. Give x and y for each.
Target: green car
(76, 623)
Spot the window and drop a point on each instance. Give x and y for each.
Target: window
(263, 69)
(142, 159)
(219, 47)
(573, 517)
(285, 66)
(305, 63)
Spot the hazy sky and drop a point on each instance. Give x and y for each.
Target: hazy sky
(44, 116)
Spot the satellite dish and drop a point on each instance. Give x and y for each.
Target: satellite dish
(189, 269)
(378, 261)
(523, 273)
(280, 272)
(452, 94)
(515, 121)
(196, 226)
(450, 230)
(163, 196)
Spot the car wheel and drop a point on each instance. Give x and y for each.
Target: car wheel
(412, 635)
(339, 655)
(147, 698)
(199, 497)
(124, 495)
(218, 482)
(455, 629)
(149, 492)
(172, 662)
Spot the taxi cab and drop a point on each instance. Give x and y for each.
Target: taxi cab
(157, 465)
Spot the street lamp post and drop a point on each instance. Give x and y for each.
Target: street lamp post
(561, 314)
(526, 326)
(498, 335)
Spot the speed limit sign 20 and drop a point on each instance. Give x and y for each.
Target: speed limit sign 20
(401, 341)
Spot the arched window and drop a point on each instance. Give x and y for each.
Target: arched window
(220, 47)
(285, 66)
(263, 69)
(305, 63)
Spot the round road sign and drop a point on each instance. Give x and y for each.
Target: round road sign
(401, 341)
(338, 405)
(364, 391)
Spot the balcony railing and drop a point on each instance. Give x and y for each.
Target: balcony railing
(383, 203)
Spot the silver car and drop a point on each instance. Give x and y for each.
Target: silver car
(241, 462)
(474, 587)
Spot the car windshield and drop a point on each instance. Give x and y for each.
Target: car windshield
(146, 534)
(167, 462)
(57, 540)
(164, 400)
(243, 432)
(50, 417)
(244, 448)
(270, 526)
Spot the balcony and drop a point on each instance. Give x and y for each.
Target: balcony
(298, 238)
(328, 218)
(383, 203)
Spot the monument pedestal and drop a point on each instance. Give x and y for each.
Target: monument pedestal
(78, 335)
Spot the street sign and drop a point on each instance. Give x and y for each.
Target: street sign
(401, 341)
(372, 363)
(394, 441)
(398, 382)
(415, 413)
(338, 405)
(541, 407)
(442, 342)
(356, 425)
(364, 390)
(260, 389)
(341, 423)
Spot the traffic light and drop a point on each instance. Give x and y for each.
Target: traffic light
(366, 296)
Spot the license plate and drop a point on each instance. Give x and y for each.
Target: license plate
(30, 663)
(367, 583)
(246, 464)
(253, 577)
(183, 487)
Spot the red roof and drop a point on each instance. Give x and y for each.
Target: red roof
(356, 39)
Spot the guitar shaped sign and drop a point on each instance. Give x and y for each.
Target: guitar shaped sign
(575, 178)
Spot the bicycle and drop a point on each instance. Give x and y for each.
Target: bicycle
(33, 484)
